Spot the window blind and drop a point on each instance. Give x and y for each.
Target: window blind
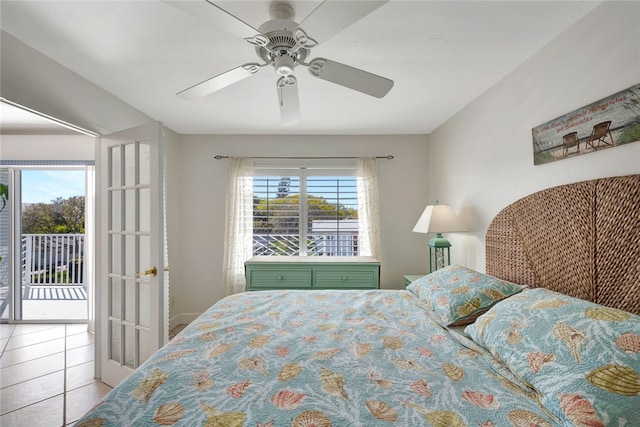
(305, 212)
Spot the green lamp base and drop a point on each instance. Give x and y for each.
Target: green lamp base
(439, 253)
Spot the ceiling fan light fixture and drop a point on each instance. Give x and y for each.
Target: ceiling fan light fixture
(284, 65)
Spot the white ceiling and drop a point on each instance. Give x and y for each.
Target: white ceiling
(441, 55)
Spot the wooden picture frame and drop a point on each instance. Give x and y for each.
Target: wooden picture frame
(607, 123)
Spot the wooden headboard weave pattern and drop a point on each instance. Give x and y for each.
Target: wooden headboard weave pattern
(580, 239)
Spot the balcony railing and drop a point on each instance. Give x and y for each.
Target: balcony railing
(320, 244)
(52, 259)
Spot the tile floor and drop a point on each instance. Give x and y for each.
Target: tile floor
(46, 374)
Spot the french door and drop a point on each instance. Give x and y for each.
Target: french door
(131, 250)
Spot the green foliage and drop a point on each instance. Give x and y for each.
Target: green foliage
(61, 216)
(633, 104)
(631, 134)
(58, 277)
(4, 196)
(281, 248)
(280, 215)
(540, 157)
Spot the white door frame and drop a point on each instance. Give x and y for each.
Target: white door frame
(14, 206)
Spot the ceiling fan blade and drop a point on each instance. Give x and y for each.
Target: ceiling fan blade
(289, 101)
(350, 77)
(212, 13)
(333, 16)
(220, 81)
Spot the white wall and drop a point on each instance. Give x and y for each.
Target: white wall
(482, 159)
(197, 188)
(47, 147)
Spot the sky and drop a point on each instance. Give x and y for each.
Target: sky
(42, 186)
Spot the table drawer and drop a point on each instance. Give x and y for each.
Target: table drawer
(346, 279)
(279, 279)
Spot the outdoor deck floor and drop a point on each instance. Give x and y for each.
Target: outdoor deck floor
(55, 292)
(50, 303)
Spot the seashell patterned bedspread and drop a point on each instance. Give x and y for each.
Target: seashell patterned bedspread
(319, 358)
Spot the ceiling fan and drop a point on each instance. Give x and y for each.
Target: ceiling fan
(285, 44)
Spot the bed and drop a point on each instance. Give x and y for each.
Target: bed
(549, 336)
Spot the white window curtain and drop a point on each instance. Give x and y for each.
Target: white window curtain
(368, 206)
(239, 220)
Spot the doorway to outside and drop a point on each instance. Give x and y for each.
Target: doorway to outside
(49, 246)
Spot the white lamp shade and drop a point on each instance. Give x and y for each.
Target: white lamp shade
(438, 219)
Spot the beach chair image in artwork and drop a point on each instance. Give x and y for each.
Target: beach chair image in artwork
(570, 140)
(599, 135)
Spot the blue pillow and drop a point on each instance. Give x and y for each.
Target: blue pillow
(583, 357)
(458, 295)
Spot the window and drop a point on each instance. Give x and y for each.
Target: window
(305, 212)
(299, 210)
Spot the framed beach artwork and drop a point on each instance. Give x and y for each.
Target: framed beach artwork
(607, 123)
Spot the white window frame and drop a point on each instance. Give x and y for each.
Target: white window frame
(303, 172)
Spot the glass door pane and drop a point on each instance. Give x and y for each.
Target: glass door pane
(129, 236)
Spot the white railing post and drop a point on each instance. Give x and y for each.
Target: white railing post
(64, 261)
(71, 255)
(28, 251)
(80, 257)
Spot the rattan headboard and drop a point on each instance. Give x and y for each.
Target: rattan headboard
(581, 239)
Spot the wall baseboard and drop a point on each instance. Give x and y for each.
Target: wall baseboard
(182, 319)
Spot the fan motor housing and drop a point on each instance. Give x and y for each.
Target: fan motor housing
(281, 43)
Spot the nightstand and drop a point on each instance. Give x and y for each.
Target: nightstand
(408, 278)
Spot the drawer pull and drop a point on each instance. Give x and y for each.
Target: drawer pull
(344, 278)
(279, 277)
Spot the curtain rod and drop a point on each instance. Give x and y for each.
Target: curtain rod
(388, 157)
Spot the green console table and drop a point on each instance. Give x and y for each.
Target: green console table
(309, 272)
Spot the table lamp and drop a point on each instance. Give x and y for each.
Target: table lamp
(438, 219)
